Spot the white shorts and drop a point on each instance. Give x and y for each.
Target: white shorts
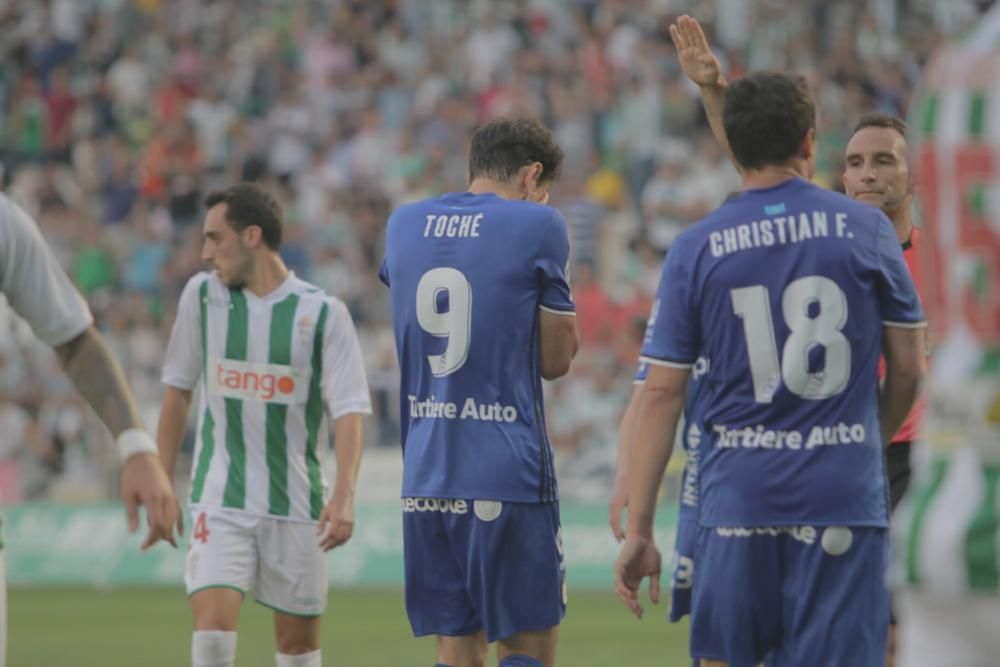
(280, 561)
(937, 630)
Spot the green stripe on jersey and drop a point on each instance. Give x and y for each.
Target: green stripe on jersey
(928, 115)
(279, 352)
(207, 423)
(922, 501)
(236, 348)
(981, 538)
(314, 415)
(977, 108)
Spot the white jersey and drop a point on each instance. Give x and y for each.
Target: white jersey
(35, 285)
(271, 368)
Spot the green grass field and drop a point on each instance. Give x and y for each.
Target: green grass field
(362, 628)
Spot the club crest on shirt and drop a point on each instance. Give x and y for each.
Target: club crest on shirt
(306, 327)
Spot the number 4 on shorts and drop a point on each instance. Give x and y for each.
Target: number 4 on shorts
(200, 529)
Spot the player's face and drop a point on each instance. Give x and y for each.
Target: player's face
(877, 172)
(224, 248)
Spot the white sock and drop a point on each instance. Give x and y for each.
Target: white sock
(213, 648)
(312, 659)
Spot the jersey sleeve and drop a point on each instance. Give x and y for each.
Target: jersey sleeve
(35, 285)
(898, 298)
(673, 334)
(640, 373)
(550, 267)
(344, 384)
(185, 357)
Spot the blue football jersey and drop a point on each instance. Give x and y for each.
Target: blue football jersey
(468, 275)
(786, 290)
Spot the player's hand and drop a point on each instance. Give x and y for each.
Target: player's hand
(145, 482)
(696, 58)
(619, 501)
(639, 558)
(336, 522)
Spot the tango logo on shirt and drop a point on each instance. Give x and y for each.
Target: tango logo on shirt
(272, 383)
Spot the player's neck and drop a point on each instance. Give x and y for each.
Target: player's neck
(482, 186)
(902, 221)
(769, 176)
(268, 275)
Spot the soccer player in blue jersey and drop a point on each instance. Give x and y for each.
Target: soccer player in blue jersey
(792, 291)
(482, 311)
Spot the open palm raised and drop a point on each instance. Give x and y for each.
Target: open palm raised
(696, 58)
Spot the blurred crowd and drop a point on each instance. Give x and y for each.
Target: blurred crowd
(118, 116)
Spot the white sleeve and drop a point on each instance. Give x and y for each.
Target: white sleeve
(35, 285)
(344, 384)
(184, 362)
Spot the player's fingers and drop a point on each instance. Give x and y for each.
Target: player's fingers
(698, 35)
(180, 522)
(676, 37)
(684, 25)
(131, 511)
(654, 588)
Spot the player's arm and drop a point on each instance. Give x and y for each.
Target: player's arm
(558, 342)
(661, 403)
(905, 366)
(39, 290)
(703, 68)
(346, 390)
(619, 492)
(903, 332)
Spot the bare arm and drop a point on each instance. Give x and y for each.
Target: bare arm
(99, 378)
(659, 411)
(626, 435)
(558, 342)
(347, 433)
(703, 68)
(905, 366)
(173, 422)
(336, 522)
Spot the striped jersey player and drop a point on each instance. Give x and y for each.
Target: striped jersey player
(275, 357)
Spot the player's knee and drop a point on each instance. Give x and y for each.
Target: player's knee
(520, 661)
(213, 648)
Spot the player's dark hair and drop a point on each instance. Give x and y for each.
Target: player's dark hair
(250, 205)
(766, 116)
(880, 119)
(502, 146)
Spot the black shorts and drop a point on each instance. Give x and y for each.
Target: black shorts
(897, 471)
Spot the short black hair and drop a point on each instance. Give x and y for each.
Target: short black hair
(248, 205)
(880, 119)
(502, 146)
(766, 115)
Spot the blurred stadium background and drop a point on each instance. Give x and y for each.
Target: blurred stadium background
(118, 116)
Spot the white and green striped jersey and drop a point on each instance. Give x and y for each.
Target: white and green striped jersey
(947, 530)
(271, 368)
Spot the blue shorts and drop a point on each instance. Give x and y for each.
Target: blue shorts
(795, 595)
(682, 578)
(482, 564)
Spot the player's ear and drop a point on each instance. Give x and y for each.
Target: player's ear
(252, 236)
(530, 175)
(808, 148)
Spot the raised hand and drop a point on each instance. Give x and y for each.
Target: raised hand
(696, 58)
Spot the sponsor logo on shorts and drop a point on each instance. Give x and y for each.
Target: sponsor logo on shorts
(804, 534)
(837, 540)
(487, 510)
(443, 505)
